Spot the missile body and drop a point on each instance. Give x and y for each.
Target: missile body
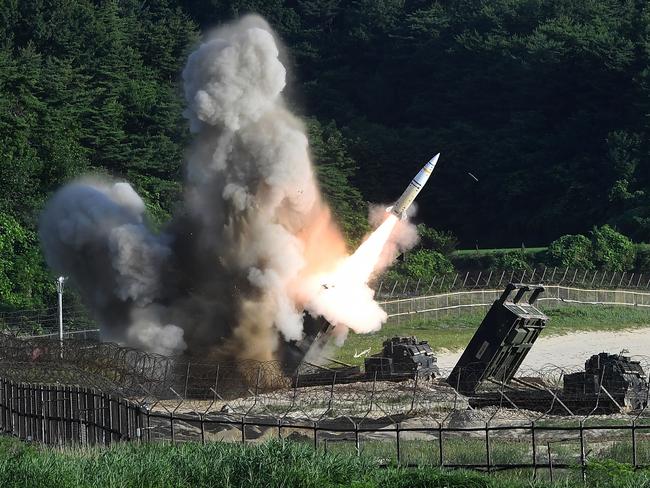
(417, 183)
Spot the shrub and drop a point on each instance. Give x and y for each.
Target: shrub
(511, 260)
(571, 251)
(424, 265)
(611, 250)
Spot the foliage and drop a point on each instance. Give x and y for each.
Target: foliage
(444, 242)
(471, 259)
(571, 251)
(23, 278)
(515, 260)
(611, 250)
(269, 464)
(604, 472)
(422, 265)
(642, 257)
(524, 95)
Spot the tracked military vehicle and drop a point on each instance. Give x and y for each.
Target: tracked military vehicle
(402, 357)
(608, 379)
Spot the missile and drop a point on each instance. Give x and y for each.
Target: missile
(415, 186)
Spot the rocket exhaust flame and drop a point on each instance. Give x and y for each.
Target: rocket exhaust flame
(347, 286)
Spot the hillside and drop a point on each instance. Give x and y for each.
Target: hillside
(544, 102)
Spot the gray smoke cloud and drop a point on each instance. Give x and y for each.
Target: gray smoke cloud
(224, 278)
(250, 247)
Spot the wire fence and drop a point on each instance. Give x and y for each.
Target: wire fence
(85, 393)
(64, 415)
(78, 325)
(45, 321)
(488, 279)
(441, 295)
(445, 304)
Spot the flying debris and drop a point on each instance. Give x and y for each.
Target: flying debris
(411, 192)
(365, 352)
(472, 176)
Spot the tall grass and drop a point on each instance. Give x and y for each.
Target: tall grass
(274, 464)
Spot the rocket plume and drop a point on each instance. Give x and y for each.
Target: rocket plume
(252, 242)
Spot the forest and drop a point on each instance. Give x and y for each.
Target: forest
(544, 102)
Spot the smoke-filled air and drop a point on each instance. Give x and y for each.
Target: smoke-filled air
(251, 248)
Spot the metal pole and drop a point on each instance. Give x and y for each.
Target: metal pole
(59, 288)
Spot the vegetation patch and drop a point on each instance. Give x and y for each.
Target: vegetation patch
(273, 464)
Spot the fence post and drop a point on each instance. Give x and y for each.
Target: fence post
(532, 436)
(440, 455)
(583, 466)
(487, 447)
(397, 445)
(356, 439)
(634, 458)
(243, 429)
(393, 290)
(187, 378)
(550, 461)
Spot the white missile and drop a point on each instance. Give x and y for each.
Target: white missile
(416, 185)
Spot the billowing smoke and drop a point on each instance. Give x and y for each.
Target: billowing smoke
(251, 248)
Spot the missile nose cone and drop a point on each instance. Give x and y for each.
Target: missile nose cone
(434, 159)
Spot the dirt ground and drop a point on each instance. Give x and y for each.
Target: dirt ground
(572, 350)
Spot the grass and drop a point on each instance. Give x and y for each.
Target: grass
(273, 464)
(454, 331)
(485, 252)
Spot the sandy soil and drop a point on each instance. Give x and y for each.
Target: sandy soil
(572, 350)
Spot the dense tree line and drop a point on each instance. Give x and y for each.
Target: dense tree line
(544, 101)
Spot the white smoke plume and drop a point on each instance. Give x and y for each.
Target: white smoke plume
(233, 273)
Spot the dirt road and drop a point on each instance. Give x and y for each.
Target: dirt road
(571, 350)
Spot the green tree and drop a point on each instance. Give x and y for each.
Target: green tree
(24, 281)
(444, 242)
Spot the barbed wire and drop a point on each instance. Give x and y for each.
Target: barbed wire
(249, 387)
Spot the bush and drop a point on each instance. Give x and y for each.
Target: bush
(571, 251)
(611, 250)
(423, 265)
(444, 242)
(511, 260)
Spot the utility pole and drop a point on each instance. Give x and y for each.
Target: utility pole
(59, 288)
